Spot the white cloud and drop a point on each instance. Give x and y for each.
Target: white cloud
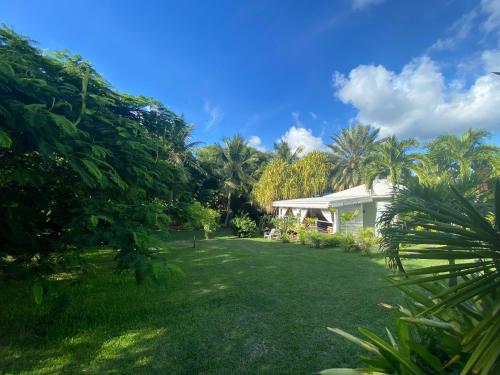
(418, 102)
(457, 32)
(491, 60)
(298, 136)
(255, 142)
(492, 10)
(214, 113)
(313, 115)
(364, 4)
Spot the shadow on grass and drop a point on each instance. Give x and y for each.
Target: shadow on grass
(245, 305)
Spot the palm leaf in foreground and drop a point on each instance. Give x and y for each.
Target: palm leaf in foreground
(458, 324)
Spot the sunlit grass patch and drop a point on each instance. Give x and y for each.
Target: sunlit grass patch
(244, 305)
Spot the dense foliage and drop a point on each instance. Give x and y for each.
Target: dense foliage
(200, 217)
(308, 176)
(81, 164)
(230, 170)
(445, 327)
(244, 226)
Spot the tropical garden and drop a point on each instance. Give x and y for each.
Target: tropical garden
(126, 246)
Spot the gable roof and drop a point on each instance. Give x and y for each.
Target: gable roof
(356, 195)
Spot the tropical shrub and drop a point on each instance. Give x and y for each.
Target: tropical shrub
(244, 226)
(317, 239)
(314, 239)
(331, 240)
(348, 242)
(203, 217)
(302, 233)
(366, 239)
(284, 226)
(285, 237)
(445, 328)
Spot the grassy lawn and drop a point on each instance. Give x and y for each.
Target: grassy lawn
(244, 306)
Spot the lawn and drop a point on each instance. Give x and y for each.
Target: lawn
(243, 306)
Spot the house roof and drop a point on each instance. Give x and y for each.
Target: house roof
(355, 195)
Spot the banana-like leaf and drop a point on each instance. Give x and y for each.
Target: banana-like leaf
(389, 350)
(364, 344)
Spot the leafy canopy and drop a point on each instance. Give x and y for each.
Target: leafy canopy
(80, 163)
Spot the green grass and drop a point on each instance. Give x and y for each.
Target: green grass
(244, 306)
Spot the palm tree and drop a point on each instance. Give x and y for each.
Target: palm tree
(283, 151)
(350, 148)
(179, 145)
(235, 159)
(390, 159)
(463, 155)
(466, 161)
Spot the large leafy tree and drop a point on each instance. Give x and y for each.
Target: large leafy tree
(390, 159)
(276, 182)
(80, 164)
(208, 183)
(236, 159)
(308, 176)
(350, 148)
(312, 174)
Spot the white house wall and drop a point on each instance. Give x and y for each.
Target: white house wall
(354, 225)
(381, 207)
(369, 214)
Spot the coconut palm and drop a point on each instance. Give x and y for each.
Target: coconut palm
(235, 158)
(391, 159)
(350, 148)
(283, 151)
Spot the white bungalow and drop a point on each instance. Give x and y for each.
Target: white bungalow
(370, 204)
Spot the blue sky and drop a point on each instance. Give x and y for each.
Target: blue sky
(294, 69)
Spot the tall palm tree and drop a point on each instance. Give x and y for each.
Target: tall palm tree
(350, 148)
(283, 151)
(463, 155)
(235, 159)
(392, 159)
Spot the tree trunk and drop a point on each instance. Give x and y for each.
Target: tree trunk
(228, 209)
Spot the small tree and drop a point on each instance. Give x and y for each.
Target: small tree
(348, 216)
(201, 217)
